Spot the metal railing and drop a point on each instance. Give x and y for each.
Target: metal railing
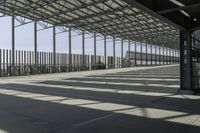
(29, 63)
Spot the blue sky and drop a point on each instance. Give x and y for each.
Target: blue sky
(24, 38)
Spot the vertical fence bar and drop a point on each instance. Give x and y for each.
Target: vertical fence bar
(10, 61)
(16, 61)
(19, 61)
(40, 54)
(25, 65)
(28, 62)
(30, 58)
(49, 62)
(4, 67)
(7, 64)
(22, 62)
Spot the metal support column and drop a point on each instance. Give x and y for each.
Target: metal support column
(186, 60)
(146, 54)
(170, 56)
(151, 55)
(179, 58)
(35, 47)
(113, 52)
(129, 53)
(54, 49)
(135, 53)
(70, 49)
(105, 52)
(175, 51)
(13, 47)
(167, 53)
(174, 56)
(95, 51)
(122, 53)
(155, 55)
(159, 55)
(163, 55)
(83, 51)
(141, 54)
(167, 56)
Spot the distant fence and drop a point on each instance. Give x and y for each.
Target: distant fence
(165, 59)
(25, 63)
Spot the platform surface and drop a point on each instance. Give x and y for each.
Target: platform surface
(129, 100)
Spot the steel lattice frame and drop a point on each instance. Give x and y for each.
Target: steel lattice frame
(108, 17)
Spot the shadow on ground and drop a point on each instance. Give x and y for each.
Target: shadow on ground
(115, 104)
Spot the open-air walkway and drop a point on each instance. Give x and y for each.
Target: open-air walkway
(127, 100)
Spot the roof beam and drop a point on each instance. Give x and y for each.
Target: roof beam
(179, 8)
(153, 13)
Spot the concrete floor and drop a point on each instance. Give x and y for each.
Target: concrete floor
(130, 100)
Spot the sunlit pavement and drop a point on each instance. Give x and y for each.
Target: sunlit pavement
(129, 100)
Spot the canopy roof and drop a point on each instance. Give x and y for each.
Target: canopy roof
(117, 18)
(184, 13)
